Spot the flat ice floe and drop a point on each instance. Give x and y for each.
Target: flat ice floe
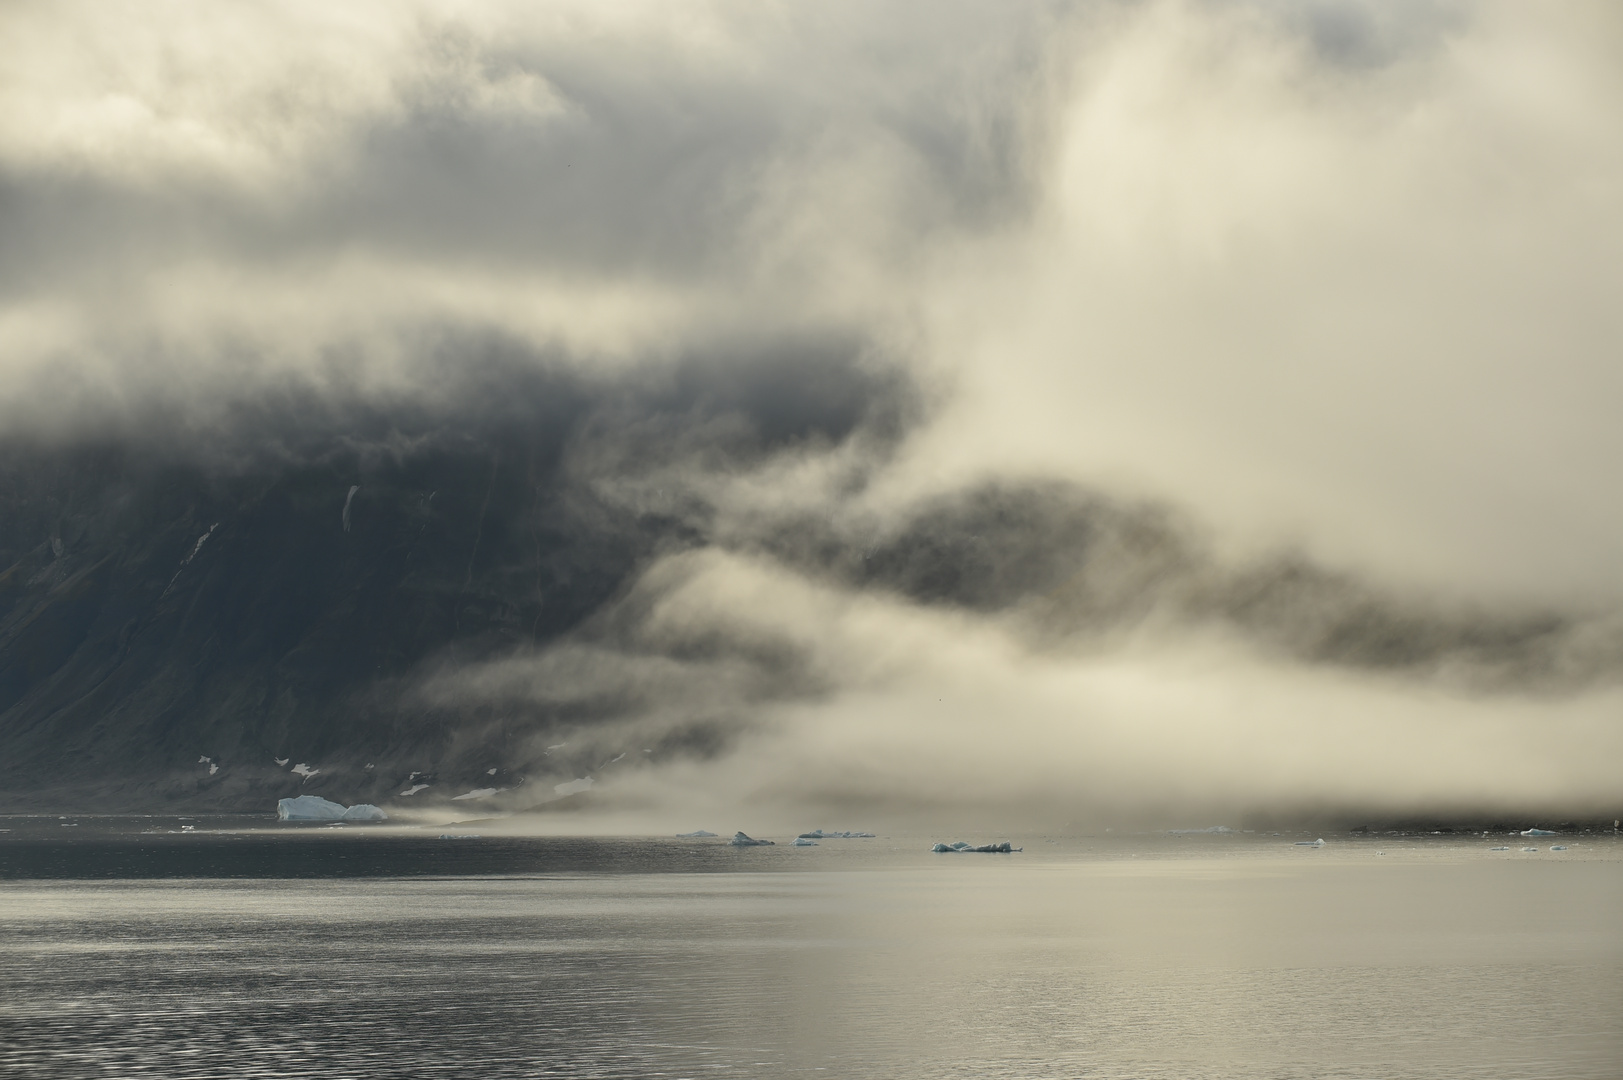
(819, 834)
(1215, 829)
(315, 808)
(1311, 843)
(695, 835)
(1004, 848)
(801, 841)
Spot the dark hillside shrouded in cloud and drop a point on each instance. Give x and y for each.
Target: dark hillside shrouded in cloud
(1168, 408)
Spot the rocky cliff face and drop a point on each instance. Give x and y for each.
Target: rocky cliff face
(268, 589)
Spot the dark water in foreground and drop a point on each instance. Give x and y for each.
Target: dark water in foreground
(170, 955)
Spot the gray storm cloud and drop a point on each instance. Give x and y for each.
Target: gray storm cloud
(1112, 303)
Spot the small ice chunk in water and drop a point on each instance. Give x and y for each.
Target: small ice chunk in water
(1529, 849)
(1209, 829)
(741, 839)
(1559, 847)
(570, 787)
(414, 789)
(459, 836)
(1499, 849)
(694, 835)
(304, 770)
(315, 808)
(1538, 832)
(282, 761)
(1311, 843)
(1003, 848)
(819, 834)
(801, 841)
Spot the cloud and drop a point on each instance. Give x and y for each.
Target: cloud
(1202, 401)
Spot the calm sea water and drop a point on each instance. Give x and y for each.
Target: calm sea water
(126, 953)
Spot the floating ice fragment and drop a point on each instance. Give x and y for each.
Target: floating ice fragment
(1499, 849)
(347, 500)
(204, 760)
(614, 759)
(1529, 849)
(304, 770)
(490, 772)
(1001, 849)
(414, 789)
(1311, 843)
(801, 841)
(213, 768)
(282, 761)
(315, 808)
(819, 834)
(1559, 847)
(1208, 829)
(696, 834)
(477, 793)
(741, 840)
(459, 836)
(570, 787)
(1538, 832)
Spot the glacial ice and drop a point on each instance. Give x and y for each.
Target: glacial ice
(476, 793)
(1538, 832)
(459, 836)
(1311, 843)
(741, 840)
(315, 808)
(801, 841)
(1001, 849)
(819, 834)
(304, 770)
(1210, 829)
(696, 834)
(570, 787)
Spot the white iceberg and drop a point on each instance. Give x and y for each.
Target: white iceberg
(801, 841)
(477, 793)
(696, 834)
(1538, 832)
(315, 808)
(819, 834)
(573, 786)
(741, 840)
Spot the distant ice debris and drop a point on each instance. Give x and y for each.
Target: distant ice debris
(950, 849)
(571, 787)
(415, 788)
(304, 770)
(801, 841)
(490, 772)
(819, 834)
(1538, 832)
(1311, 843)
(1208, 829)
(477, 793)
(1499, 849)
(213, 768)
(282, 761)
(315, 808)
(459, 836)
(742, 840)
(1558, 847)
(204, 760)
(695, 835)
(1529, 849)
(347, 500)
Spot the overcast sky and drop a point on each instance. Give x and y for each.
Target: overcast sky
(1334, 278)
